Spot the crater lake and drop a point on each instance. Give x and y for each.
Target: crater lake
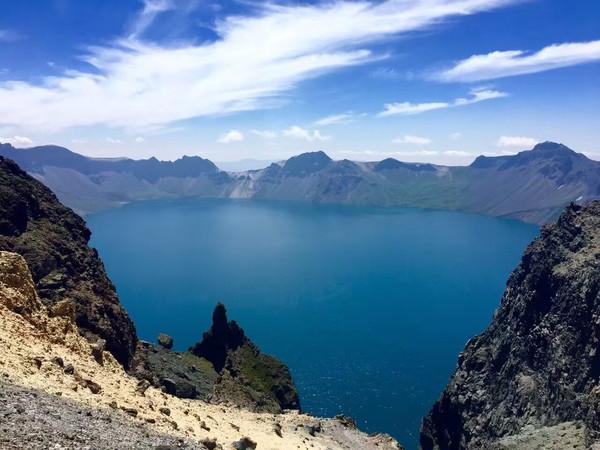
(369, 307)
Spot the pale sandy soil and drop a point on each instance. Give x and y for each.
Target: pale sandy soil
(35, 350)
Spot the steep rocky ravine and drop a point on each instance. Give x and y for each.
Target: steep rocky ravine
(534, 374)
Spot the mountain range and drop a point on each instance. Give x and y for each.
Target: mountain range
(532, 186)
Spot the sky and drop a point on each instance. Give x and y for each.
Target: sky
(419, 80)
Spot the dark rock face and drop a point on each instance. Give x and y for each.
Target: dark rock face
(222, 338)
(54, 242)
(538, 363)
(247, 377)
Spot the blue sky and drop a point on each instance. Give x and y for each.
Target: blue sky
(420, 80)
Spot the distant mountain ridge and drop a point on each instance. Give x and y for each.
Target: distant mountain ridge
(532, 186)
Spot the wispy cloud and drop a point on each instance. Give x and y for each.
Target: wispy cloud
(519, 62)
(230, 137)
(516, 141)
(337, 119)
(302, 133)
(253, 59)
(111, 140)
(406, 108)
(152, 8)
(455, 136)
(412, 139)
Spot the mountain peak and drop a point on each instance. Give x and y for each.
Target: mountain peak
(318, 155)
(550, 146)
(543, 151)
(306, 163)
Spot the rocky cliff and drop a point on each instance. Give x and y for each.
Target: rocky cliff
(54, 242)
(533, 376)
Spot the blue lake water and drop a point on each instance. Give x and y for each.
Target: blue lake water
(369, 307)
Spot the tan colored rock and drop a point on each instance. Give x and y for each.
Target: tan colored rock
(17, 291)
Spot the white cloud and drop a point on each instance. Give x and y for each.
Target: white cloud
(411, 139)
(302, 133)
(231, 136)
(253, 59)
(139, 139)
(151, 9)
(516, 141)
(519, 62)
(455, 136)
(406, 108)
(113, 140)
(336, 119)
(16, 140)
(265, 134)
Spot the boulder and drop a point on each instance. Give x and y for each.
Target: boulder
(165, 341)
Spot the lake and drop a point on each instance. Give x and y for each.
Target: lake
(369, 307)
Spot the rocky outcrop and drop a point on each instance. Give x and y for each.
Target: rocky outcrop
(54, 242)
(247, 377)
(225, 367)
(535, 371)
(223, 337)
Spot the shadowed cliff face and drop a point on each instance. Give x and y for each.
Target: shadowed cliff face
(222, 338)
(538, 362)
(54, 242)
